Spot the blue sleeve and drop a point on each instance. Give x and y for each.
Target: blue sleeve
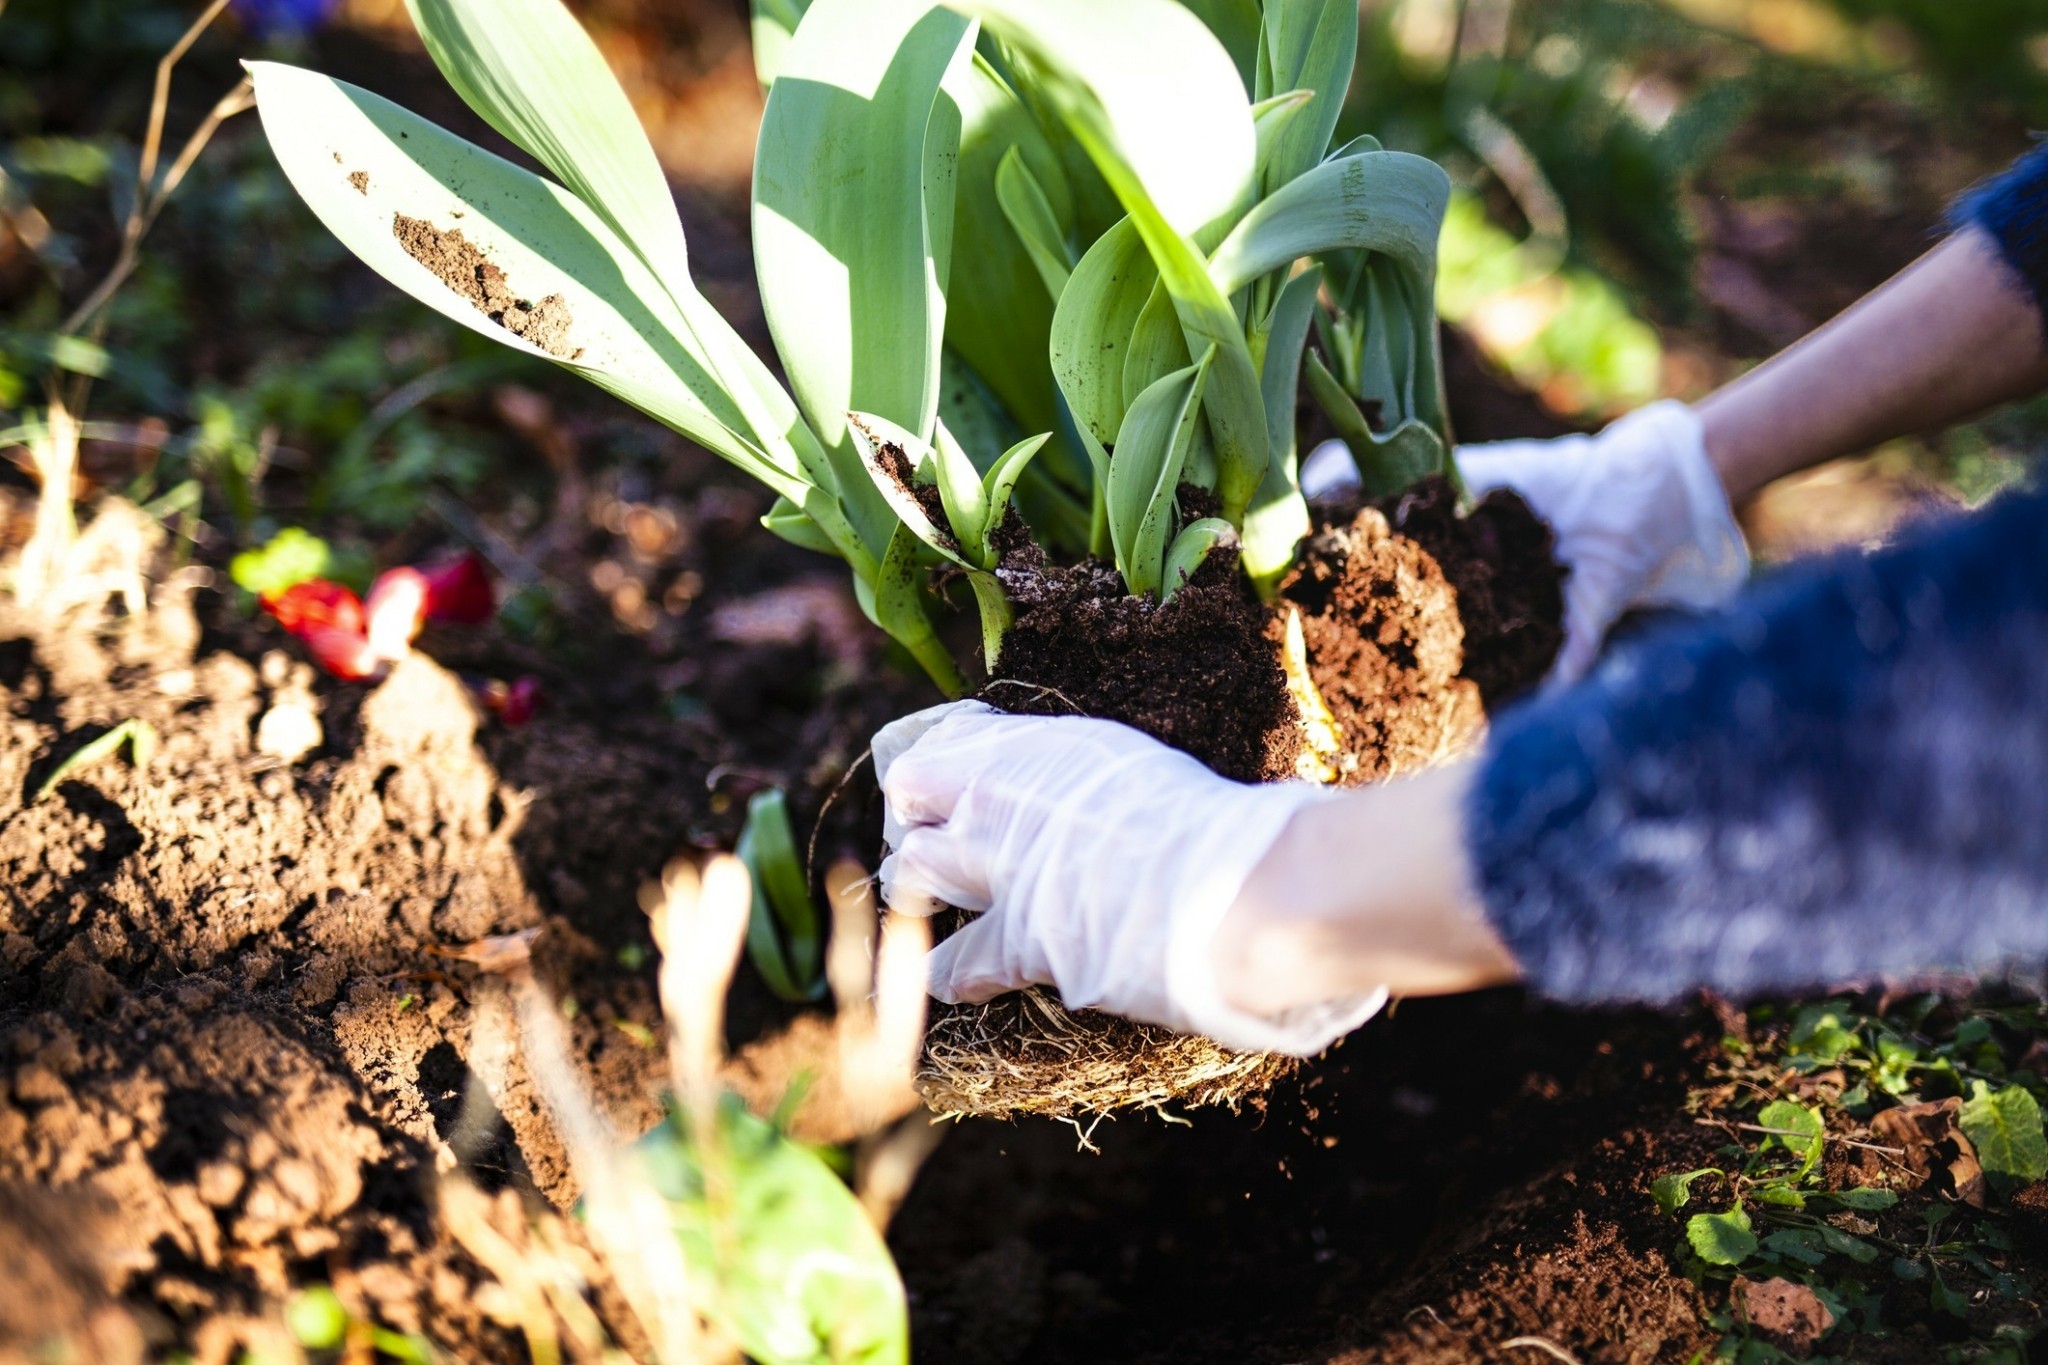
(1845, 775)
(2013, 209)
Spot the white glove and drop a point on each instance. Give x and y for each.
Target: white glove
(1640, 517)
(1102, 862)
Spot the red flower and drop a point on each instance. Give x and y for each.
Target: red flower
(316, 603)
(353, 639)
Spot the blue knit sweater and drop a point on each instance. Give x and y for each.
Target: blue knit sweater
(1845, 775)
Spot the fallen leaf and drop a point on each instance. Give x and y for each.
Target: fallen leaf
(1788, 1312)
(1933, 1143)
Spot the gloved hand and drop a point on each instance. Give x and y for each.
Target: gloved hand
(1101, 862)
(1639, 512)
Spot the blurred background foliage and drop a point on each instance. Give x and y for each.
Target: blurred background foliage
(1651, 194)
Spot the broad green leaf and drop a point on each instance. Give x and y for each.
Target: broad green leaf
(1145, 470)
(1386, 463)
(1842, 1243)
(993, 604)
(853, 282)
(2005, 1128)
(1387, 202)
(1778, 1196)
(1030, 215)
(998, 484)
(773, 21)
(1280, 372)
(528, 68)
(999, 311)
(1236, 25)
(1156, 103)
(793, 1267)
(1721, 1238)
(961, 494)
(372, 171)
(1865, 1199)
(1157, 346)
(139, 736)
(1803, 1245)
(1274, 524)
(897, 463)
(1672, 1191)
(1796, 1127)
(1190, 548)
(1270, 119)
(785, 933)
(788, 521)
(899, 608)
(1091, 331)
(1308, 45)
(1145, 84)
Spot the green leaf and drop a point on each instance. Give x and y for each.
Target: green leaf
(1030, 215)
(1144, 85)
(1778, 1196)
(1190, 548)
(2005, 1128)
(897, 462)
(1864, 1199)
(1803, 1245)
(993, 605)
(999, 312)
(853, 283)
(1308, 45)
(788, 521)
(1721, 1238)
(1156, 102)
(367, 168)
(794, 1268)
(996, 487)
(1157, 347)
(1672, 1191)
(138, 735)
(1280, 372)
(1236, 25)
(1273, 117)
(528, 68)
(1855, 1248)
(899, 609)
(316, 1318)
(1386, 464)
(962, 495)
(1942, 1299)
(1091, 330)
(785, 933)
(1386, 202)
(773, 21)
(293, 555)
(1802, 1132)
(1145, 470)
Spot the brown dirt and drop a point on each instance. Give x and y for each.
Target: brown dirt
(463, 267)
(1196, 673)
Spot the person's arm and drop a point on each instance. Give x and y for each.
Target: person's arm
(1952, 335)
(1846, 777)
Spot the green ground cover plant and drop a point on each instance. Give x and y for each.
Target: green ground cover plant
(1872, 1174)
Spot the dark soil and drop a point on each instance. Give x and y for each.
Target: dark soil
(1197, 673)
(463, 267)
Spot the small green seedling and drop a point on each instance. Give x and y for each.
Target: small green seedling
(138, 735)
(785, 932)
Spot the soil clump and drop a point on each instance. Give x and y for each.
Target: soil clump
(462, 266)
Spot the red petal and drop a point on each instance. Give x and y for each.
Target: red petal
(522, 700)
(316, 604)
(397, 609)
(344, 653)
(459, 590)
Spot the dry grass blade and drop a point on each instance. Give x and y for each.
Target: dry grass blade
(1549, 1348)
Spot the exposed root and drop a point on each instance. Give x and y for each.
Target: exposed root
(1027, 1054)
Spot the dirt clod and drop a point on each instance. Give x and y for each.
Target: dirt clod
(359, 181)
(463, 267)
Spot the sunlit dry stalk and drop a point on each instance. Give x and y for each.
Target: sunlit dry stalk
(54, 452)
(628, 1219)
(464, 1213)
